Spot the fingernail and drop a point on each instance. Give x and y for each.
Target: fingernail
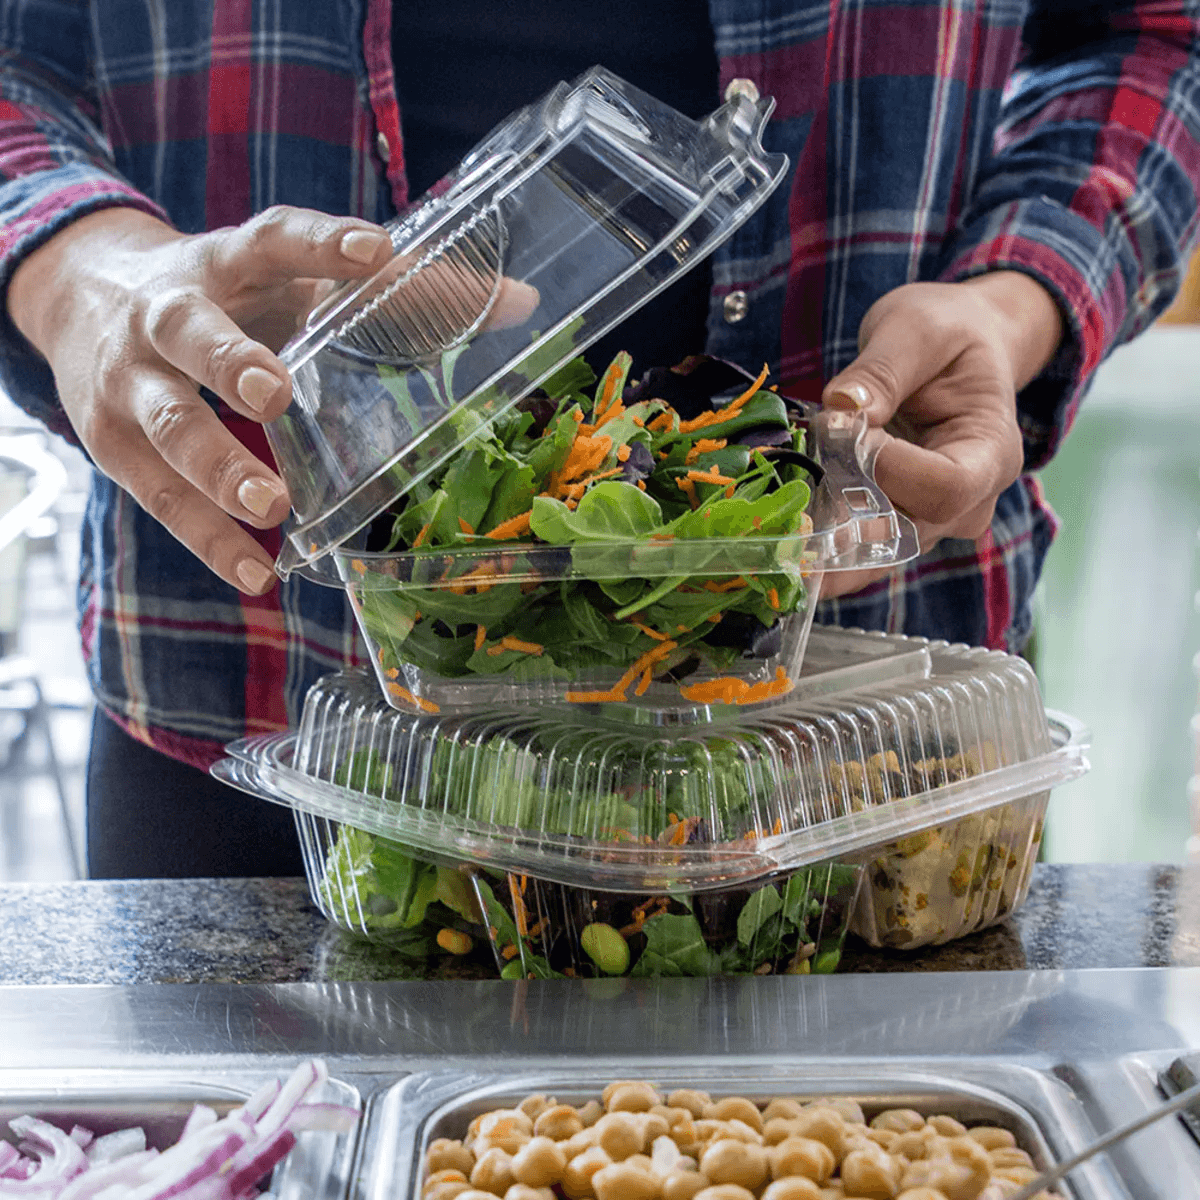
(361, 245)
(256, 386)
(257, 495)
(254, 575)
(851, 395)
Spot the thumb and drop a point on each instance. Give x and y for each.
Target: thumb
(891, 365)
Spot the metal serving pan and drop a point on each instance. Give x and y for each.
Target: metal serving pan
(1042, 1113)
(317, 1168)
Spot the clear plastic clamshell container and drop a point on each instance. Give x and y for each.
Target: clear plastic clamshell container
(624, 619)
(933, 770)
(566, 219)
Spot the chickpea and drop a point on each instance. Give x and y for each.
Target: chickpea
(590, 1113)
(898, 1120)
(577, 1143)
(507, 1129)
(915, 1145)
(743, 1132)
(1017, 1175)
(577, 1178)
(802, 1156)
(886, 1138)
(824, 1123)
(625, 1181)
(476, 1194)
(779, 1129)
(559, 1122)
(631, 1097)
(1009, 1156)
(445, 1175)
(991, 1137)
(871, 1173)
(780, 1106)
(449, 1190)
(493, 1172)
(684, 1135)
(695, 1102)
(793, 1188)
(444, 1153)
(706, 1130)
(730, 1161)
(682, 1185)
(532, 1105)
(654, 1125)
(521, 1191)
(724, 1191)
(539, 1163)
(851, 1111)
(619, 1135)
(921, 1193)
(946, 1126)
(736, 1108)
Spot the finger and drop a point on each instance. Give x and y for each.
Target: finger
(844, 583)
(515, 304)
(193, 442)
(284, 243)
(894, 362)
(215, 538)
(197, 338)
(938, 486)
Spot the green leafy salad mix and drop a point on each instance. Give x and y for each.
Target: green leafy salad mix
(582, 534)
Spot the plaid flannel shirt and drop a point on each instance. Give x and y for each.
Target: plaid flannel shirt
(930, 139)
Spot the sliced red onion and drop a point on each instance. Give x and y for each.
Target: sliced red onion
(214, 1159)
(116, 1145)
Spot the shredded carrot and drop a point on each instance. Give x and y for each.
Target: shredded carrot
(612, 696)
(644, 663)
(661, 423)
(520, 915)
(422, 534)
(756, 522)
(642, 484)
(704, 446)
(577, 416)
(402, 693)
(715, 618)
(509, 952)
(682, 628)
(513, 527)
(720, 415)
(358, 565)
(480, 635)
(713, 476)
(512, 643)
(615, 410)
(466, 527)
(688, 488)
(575, 490)
(392, 673)
(608, 392)
(623, 453)
(729, 689)
(643, 683)
(773, 599)
(729, 492)
(730, 585)
(470, 579)
(538, 929)
(652, 633)
(662, 537)
(639, 422)
(379, 654)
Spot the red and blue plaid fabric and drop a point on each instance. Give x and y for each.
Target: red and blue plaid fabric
(930, 140)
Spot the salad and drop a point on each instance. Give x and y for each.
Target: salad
(532, 929)
(581, 537)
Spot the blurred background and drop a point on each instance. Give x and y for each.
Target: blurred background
(1117, 639)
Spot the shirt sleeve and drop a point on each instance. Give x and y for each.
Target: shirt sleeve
(55, 167)
(1092, 185)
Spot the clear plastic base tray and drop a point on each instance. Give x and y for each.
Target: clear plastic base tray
(597, 800)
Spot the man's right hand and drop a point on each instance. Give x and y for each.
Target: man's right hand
(133, 317)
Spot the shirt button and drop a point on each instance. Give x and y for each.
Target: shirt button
(735, 306)
(742, 87)
(381, 144)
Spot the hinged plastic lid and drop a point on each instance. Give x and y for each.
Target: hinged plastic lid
(563, 222)
(587, 801)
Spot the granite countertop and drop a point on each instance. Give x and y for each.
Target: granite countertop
(268, 931)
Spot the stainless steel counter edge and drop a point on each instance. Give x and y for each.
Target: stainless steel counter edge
(1046, 1015)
